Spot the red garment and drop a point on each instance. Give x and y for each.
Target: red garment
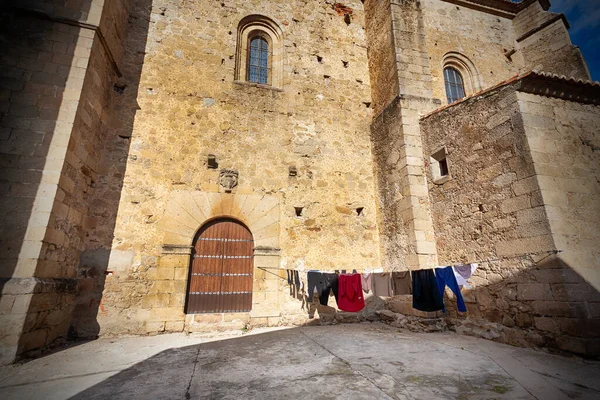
(350, 295)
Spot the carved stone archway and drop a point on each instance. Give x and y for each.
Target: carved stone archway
(187, 211)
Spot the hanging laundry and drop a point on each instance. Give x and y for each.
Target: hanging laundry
(293, 277)
(382, 284)
(303, 285)
(426, 292)
(463, 272)
(331, 284)
(350, 296)
(315, 283)
(445, 277)
(366, 281)
(297, 279)
(401, 283)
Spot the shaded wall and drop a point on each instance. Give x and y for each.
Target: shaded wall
(501, 205)
(41, 89)
(105, 193)
(64, 69)
(564, 138)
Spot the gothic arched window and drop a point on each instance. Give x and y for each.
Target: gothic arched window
(455, 88)
(259, 53)
(258, 60)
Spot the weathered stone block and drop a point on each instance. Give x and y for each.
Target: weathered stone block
(579, 327)
(572, 344)
(524, 320)
(155, 300)
(208, 318)
(167, 314)
(534, 291)
(177, 300)
(162, 273)
(531, 215)
(120, 260)
(552, 309)
(152, 327)
(575, 292)
(174, 326)
(515, 204)
(524, 246)
(546, 324)
(33, 340)
(175, 261)
(180, 274)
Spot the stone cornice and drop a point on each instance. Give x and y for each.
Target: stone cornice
(501, 8)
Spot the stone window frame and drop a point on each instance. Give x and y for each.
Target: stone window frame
(471, 78)
(434, 166)
(248, 28)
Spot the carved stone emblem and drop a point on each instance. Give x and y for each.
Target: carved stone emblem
(228, 178)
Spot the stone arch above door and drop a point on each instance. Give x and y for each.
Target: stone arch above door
(187, 211)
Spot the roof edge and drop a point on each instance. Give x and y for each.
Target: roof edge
(540, 83)
(503, 8)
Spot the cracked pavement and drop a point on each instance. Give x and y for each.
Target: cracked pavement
(359, 361)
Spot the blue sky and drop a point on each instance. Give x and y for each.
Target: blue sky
(584, 18)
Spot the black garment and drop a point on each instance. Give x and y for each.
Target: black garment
(293, 277)
(331, 283)
(315, 279)
(297, 278)
(426, 293)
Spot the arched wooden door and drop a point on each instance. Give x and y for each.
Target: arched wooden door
(221, 269)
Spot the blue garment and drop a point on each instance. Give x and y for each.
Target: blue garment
(445, 276)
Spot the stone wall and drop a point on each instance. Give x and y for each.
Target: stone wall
(481, 37)
(501, 203)
(543, 43)
(190, 106)
(52, 53)
(565, 145)
(381, 53)
(407, 239)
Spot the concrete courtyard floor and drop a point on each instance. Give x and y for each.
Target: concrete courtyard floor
(360, 361)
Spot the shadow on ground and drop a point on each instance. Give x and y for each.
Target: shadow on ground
(361, 361)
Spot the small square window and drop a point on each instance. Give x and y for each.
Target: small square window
(440, 171)
(443, 167)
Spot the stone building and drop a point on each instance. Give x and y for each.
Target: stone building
(137, 135)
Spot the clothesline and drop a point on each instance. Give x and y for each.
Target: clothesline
(426, 286)
(327, 272)
(460, 262)
(511, 257)
(277, 275)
